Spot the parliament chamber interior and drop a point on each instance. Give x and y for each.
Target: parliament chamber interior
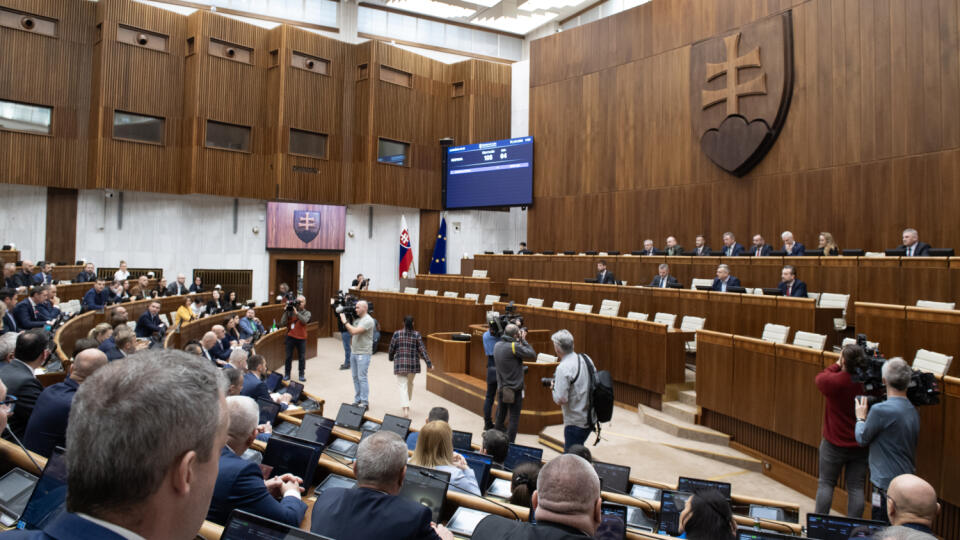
(546, 268)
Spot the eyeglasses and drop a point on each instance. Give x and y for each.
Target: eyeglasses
(8, 404)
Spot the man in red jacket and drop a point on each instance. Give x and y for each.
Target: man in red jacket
(839, 448)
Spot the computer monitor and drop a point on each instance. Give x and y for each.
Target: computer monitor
(814, 252)
(350, 416)
(770, 513)
(295, 390)
(778, 253)
(638, 518)
(481, 470)
(740, 290)
(396, 424)
(853, 252)
(15, 489)
(427, 487)
(673, 285)
(269, 410)
(613, 477)
(462, 440)
(370, 425)
(895, 252)
(245, 526)
(334, 481)
(941, 252)
(767, 291)
(286, 456)
(49, 497)
(649, 493)
(827, 527)
(343, 448)
(517, 454)
(751, 534)
(364, 433)
(316, 428)
(273, 381)
(465, 520)
(692, 485)
(499, 488)
(672, 504)
(704, 288)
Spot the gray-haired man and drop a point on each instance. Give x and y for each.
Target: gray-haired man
(571, 389)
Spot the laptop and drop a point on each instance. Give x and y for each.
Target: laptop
(464, 521)
(827, 527)
(286, 428)
(269, 410)
(481, 469)
(693, 485)
(733, 289)
(295, 390)
(499, 488)
(427, 487)
(343, 448)
(396, 424)
(769, 513)
(334, 481)
(517, 454)
(613, 477)
(370, 425)
(671, 505)
(15, 489)
(49, 497)
(245, 526)
(769, 291)
(316, 428)
(287, 455)
(637, 518)
(649, 493)
(366, 433)
(751, 534)
(895, 252)
(462, 440)
(704, 288)
(350, 416)
(273, 381)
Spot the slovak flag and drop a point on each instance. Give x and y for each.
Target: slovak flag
(406, 254)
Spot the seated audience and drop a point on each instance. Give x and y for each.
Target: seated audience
(9, 298)
(149, 323)
(253, 385)
(828, 244)
(193, 348)
(214, 305)
(96, 298)
(197, 285)
(83, 344)
(26, 312)
(238, 360)
(119, 292)
(240, 484)
(231, 302)
(184, 313)
(3, 322)
(730, 246)
(220, 350)
(9, 273)
(567, 503)
(179, 286)
(648, 247)
(141, 289)
(663, 279)
(234, 381)
(18, 376)
(912, 503)
(790, 285)
(911, 246)
(435, 451)
(49, 309)
(707, 516)
(523, 483)
(792, 248)
(126, 342)
(603, 275)
(88, 275)
(372, 509)
(100, 333)
(209, 341)
(8, 345)
(24, 278)
(580, 450)
(436, 413)
(495, 444)
(673, 248)
(231, 335)
(122, 274)
(47, 427)
(760, 247)
(249, 326)
(160, 290)
(198, 307)
(44, 275)
(724, 279)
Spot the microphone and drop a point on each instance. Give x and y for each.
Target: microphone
(24, 448)
(429, 474)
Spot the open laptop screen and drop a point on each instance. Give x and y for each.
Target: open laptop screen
(286, 456)
(269, 410)
(517, 454)
(613, 477)
(462, 440)
(400, 426)
(465, 520)
(671, 505)
(826, 527)
(334, 481)
(350, 416)
(245, 526)
(316, 428)
(49, 498)
(15, 489)
(343, 447)
(295, 389)
(427, 487)
(481, 470)
(273, 381)
(695, 484)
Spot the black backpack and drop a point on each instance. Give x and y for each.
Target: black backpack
(600, 403)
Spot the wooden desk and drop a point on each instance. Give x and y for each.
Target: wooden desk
(459, 284)
(431, 313)
(9, 256)
(903, 330)
(75, 291)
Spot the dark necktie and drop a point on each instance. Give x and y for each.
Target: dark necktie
(789, 288)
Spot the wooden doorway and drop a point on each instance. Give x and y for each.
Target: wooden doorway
(321, 279)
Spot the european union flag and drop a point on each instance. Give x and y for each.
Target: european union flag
(438, 263)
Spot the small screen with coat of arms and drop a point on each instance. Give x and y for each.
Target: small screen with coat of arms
(305, 226)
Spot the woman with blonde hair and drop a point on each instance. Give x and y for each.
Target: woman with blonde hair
(828, 245)
(435, 451)
(100, 332)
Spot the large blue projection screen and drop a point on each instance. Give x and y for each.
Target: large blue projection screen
(498, 173)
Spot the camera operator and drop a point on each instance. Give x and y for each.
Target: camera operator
(345, 336)
(360, 351)
(839, 448)
(489, 342)
(571, 389)
(890, 430)
(295, 318)
(360, 283)
(508, 355)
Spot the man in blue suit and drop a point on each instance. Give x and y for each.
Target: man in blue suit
(96, 298)
(253, 385)
(792, 248)
(26, 312)
(240, 483)
(760, 247)
(149, 322)
(48, 310)
(45, 274)
(9, 298)
(912, 246)
(372, 509)
(131, 474)
(730, 246)
(47, 427)
(663, 279)
(724, 279)
(791, 286)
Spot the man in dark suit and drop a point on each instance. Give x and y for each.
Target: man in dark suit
(648, 247)
(209, 342)
(673, 248)
(45, 275)
(760, 248)
(87, 276)
(221, 350)
(663, 279)
(240, 484)
(96, 298)
(253, 385)
(24, 278)
(47, 428)
(791, 247)
(9, 275)
(567, 504)
(372, 509)
(26, 312)
(790, 285)
(724, 279)
(603, 275)
(912, 246)
(730, 246)
(701, 248)
(149, 322)
(9, 298)
(48, 308)
(30, 354)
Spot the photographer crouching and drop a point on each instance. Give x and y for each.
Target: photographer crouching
(295, 317)
(508, 355)
(571, 389)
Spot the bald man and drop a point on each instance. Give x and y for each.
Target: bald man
(209, 341)
(219, 352)
(567, 503)
(912, 503)
(47, 428)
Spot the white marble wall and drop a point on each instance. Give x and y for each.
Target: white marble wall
(23, 219)
(377, 257)
(520, 100)
(481, 230)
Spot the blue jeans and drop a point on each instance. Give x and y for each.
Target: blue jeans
(346, 338)
(359, 363)
(574, 435)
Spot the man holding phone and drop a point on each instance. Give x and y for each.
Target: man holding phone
(508, 354)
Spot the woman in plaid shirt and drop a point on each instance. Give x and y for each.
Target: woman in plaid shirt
(406, 349)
